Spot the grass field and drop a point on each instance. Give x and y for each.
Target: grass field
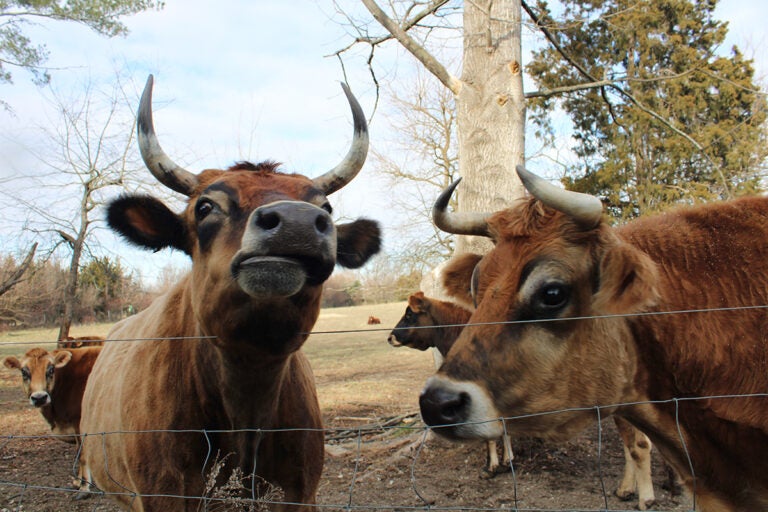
(354, 366)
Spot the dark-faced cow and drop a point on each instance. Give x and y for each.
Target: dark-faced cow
(429, 322)
(674, 372)
(216, 371)
(432, 323)
(54, 382)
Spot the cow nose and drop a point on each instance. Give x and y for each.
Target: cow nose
(440, 406)
(286, 216)
(39, 398)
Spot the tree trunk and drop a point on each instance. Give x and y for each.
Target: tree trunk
(491, 111)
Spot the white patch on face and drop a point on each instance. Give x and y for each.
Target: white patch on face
(483, 420)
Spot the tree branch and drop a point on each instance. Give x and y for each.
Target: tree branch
(418, 51)
(16, 275)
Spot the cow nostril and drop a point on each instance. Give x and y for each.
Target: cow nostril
(443, 407)
(321, 224)
(268, 220)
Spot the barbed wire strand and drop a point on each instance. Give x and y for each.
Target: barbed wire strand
(444, 326)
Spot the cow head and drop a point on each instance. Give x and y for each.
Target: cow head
(413, 328)
(255, 235)
(528, 348)
(38, 372)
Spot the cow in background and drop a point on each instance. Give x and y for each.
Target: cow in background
(374, 320)
(80, 342)
(54, 382)
(429, 322)
(572, 315)
(215, 370)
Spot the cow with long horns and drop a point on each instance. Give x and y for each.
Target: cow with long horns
(660, 321)
(214, 381)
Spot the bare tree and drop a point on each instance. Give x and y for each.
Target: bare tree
(15, 275)
(421, 160)
(490, 106)
(88, 149)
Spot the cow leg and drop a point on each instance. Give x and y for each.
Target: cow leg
(507, 455)
(637, 466)
(491, 460)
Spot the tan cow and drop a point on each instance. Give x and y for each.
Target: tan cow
(216, 370)
(54, 382)
(559, 326)
(429, 322)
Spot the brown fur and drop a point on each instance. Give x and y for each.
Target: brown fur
(238, 365)
(704, 257)
(80, 342)
(65, 388)
(374, 320)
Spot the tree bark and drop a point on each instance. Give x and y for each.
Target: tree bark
(491, 111)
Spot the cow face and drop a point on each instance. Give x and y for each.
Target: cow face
(255, 234)
(413, 328)
(38, 372)
(529, 349)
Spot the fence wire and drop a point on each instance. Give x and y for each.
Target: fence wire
(359, 436)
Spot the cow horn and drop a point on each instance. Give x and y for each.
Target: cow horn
(162, 167)
(587, 210)
(464, 223)
(343, 173)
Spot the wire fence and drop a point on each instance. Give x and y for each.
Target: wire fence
(363, 478)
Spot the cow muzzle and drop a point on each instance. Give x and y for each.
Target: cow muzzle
(40, 398)
(286, 245)
(459, 410)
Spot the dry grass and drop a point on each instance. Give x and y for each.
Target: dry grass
(358, 374)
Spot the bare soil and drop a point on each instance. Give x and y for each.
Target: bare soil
(362, 384)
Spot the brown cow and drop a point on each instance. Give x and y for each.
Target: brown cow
(374, 320)
(54, 382)
(556, 259)
(216, 371)
(80, 342)
(417, 329)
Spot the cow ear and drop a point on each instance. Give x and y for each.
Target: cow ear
(628, 281)
(147, 222)
(417, 302)
(61, 358)
(356, 242)
(12, 362)
(457, 276)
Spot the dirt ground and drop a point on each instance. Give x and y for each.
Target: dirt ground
(366, 468)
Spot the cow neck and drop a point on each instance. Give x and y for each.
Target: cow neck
(445, 313)
(275, 327)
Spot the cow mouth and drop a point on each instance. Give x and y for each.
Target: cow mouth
(277, 276)
(394, 341)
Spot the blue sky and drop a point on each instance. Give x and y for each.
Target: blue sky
(240, 79)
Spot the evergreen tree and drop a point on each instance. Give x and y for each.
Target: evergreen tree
(672, 122)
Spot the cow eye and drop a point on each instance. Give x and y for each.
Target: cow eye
(49, 371)
(25, 373)
(203, 208)
(553, 296)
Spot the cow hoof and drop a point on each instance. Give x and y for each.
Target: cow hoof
(82, 495)
(646, 505)
(487, 474)
(625, 495)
